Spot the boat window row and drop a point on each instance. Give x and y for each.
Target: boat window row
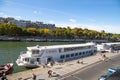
(35, 51)
(26, 59)
(74, 54)
(115, 47)
(76, 48)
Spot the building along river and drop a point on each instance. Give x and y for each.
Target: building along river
(9, 51)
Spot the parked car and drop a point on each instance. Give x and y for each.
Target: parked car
(113, 74)
(111, 71)
(103, 77)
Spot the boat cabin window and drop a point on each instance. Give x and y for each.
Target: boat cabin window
(62, 56)
(60, 50)
(26, 59)
(38, 59)
(80, 53)
(76, 54)
(67, 55)
(72, 55)
(95, 50)
(75, 48)
(83, 53)
(35, 51)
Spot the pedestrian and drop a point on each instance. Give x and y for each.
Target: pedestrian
(51, 64)
(78, 61)
(104, 56)
(33, 76)
(50, 73)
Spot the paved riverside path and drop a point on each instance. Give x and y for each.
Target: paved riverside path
(62, 69)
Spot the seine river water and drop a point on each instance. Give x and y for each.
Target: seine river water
(9, 51)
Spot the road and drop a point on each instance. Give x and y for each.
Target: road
(93, 72)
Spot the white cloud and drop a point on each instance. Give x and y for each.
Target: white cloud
(17, 17)
(72, 20)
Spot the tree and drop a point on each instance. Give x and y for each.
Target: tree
(32, 31)
(75, 33)
(68, 33)
(47, 33)
(59, 32)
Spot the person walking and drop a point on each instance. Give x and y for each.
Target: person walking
(78, 61)
(50, 73)
(51, 64)
(33, 76)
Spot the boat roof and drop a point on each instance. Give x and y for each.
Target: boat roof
(58, 46)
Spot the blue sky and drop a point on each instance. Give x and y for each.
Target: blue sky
(92, 14)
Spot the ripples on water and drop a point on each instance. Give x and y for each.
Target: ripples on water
(9, 51)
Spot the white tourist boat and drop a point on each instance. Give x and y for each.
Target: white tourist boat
(37, 55)
(108, 47)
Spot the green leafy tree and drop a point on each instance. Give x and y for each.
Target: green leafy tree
(32, 31)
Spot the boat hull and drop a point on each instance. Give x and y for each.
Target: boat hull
(27, 64)
(8, 70)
